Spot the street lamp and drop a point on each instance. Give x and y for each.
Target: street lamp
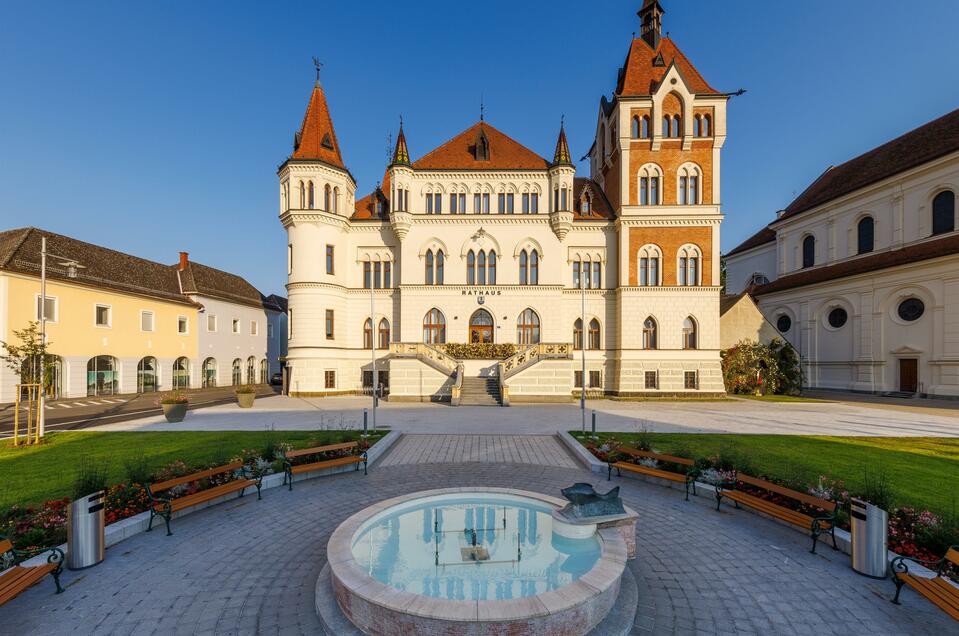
(72, 269)
(582, 345)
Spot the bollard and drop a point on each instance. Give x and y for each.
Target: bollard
(594, 424)
(365, 414)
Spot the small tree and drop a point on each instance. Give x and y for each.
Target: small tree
(791, 374)
(750, 367)
(30, 359)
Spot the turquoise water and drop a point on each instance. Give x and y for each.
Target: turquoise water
(418, 547)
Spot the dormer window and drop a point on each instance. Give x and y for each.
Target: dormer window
(482, 146)
(327, 141)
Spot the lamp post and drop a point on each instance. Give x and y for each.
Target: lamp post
(373, 341)
(582, 345)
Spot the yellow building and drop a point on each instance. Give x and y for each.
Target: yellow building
(121, 325)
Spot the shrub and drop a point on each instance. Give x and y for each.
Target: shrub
(876, 489)
(756, 368)
(91, 477)
(479, 350)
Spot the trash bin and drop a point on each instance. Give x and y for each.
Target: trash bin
(85, 531)
(870, 526)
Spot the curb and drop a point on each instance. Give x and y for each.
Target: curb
(132, 526)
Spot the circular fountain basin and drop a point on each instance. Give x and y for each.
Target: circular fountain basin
(473, 561)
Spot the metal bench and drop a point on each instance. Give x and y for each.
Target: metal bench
(166, 506)
(16, 578)
(345, 460)
(817, 525)
(688, 477)
(937, 589)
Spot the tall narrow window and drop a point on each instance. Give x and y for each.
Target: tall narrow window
(697, 126)
(523, 268)
(634, 128)
(563, 199)
(592, 341)
(682, 190)
(649, 333)
(944, 212)
(429, 203)
(367, 275)
(644, 127)
(329, 324)
(501, 203)
(865, 235)
(666, 122)
(462, 206)
(644, 190)
(689, 333)
(383, 334)
(492, 268)
(509, 203)
(470, 268)
(578, 334)
(429, 267)
(329, 259)
(477, 204)
(809, 251)
(486, 203)
(437, 203)
(434, 327)
(654, 191)
(677, 126)
(706, 126)
(453, 203)
(527, 327)
(693, 190)
(648, 266)
(368, 334)
(334, 199)
(439, 267)
(311, 194)
(534, 267)
(302, 196)
(534, 203)
(326, 198)
(597, 275)
(576, 278)
(525, 203)
(481, 268)
(387, 274)
(377, 275)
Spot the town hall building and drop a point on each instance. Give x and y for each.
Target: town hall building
(485, 241)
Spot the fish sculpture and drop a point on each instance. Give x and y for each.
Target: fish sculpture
(585, 502)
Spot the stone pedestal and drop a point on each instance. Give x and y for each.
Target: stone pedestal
(579, 527)
(626, 527)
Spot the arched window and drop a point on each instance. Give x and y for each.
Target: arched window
(688, 185)
(480, 327)
(310, 189)
(707, 124)
(578, 334)
(429, 267)
(335, 201)
(102, 376)
(697, 126)
(237, 372)
(491, 278)
(481, 268)
(383, 333)
(650, 178)
(649, 333)
(666, 125)
(523, 268)
(677, 126)
(440, 258)
(326, 198)
(181, 373)
(865, 235)
(208, 373)
(527, 327)
(649, 266)
(368, 334)
(434, 327)
(147, 374)
(809, 251)
(944, 212)
(470, 268)
(302, 196)
(634, 129)
(584, 205)
(689, 333)
(644, 127)
(264, 371)
(687, 270)
(592, 342)
(251, 370)
(533, 267)
(758, 279)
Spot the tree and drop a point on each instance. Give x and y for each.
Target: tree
(753, 367)
(30, 359)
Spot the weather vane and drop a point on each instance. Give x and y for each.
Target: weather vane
(317, 65)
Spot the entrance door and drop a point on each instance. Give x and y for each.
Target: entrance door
(481, 327)
(908, 375)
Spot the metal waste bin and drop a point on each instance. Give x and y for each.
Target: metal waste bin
(85, 531)
(870, 525)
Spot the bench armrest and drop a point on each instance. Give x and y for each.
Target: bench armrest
(56, 554)
(725, 485)
(899, 565)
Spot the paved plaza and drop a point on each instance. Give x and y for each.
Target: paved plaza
(251, 566)
(720, 416)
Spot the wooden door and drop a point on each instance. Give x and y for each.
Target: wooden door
(908, 375)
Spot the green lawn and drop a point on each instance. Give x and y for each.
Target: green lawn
(922, 471)
(33, 474)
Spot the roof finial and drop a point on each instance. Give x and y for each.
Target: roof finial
(562, 120)
(401, 121)
(317, 65)
(482, 108)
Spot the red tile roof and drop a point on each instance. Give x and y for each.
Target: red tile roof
(505, 153)
(930, 141)
(364, 206)
(317, 139)
(639, 76)
(763, 236)
(600, 208)
(935, 248)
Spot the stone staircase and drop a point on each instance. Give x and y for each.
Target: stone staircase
(480, 391)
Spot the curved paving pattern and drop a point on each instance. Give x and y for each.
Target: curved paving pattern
(251, 567)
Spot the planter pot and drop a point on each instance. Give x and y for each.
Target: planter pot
(245, 400)
(174, 412)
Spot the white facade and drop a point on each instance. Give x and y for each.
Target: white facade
(230, 334)
(751, 267)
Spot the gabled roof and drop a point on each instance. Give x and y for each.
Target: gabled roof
(364, 210)
(601, 209)
(762, 237)
(101, 267)
(645, 68)
(203, 280)
(458, 153)
(316, 139)
(926, 250)
(926, 143)
(276, 303)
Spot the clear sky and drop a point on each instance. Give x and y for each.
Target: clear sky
(158, 127)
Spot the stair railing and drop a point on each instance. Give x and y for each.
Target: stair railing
(456, 393)
(526, 358)
(428, 354)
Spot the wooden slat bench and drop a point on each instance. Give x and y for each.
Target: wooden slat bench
(166, 506)
(687, 478)
(16, 578)
(296, 469)
(937, 589)
(817, 525)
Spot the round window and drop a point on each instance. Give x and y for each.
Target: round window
(837, 317)
(911, 309)
(784, 323)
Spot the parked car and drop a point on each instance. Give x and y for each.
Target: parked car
(276, 379)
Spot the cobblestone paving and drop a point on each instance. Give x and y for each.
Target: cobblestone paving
(451, 449)
(251, 566)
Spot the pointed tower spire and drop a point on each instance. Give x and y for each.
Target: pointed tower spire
(561, 156)
(651, 21)
(316, 139)
(401, 154)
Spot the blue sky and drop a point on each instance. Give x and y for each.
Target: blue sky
(158, 127)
